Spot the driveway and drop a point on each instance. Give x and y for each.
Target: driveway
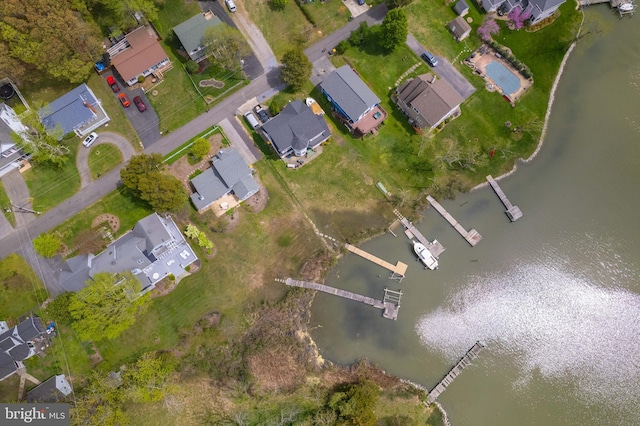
(445, 70)
(82, 159)
(239, 140)
(144, 123)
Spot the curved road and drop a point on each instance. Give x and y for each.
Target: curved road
(82, 159)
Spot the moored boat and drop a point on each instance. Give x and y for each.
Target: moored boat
(425, 255)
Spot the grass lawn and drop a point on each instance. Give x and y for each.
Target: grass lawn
(5, 205)
(49, 186)
(183, 149)
(232, 80)
(327, 15)
(282, 28)
(127, 210)
(103, 158)
(22, 290)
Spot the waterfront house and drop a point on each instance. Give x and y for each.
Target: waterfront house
(537, 10)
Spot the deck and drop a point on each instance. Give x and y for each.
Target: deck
(455, 371)
(473, 237)
(399, 269)
(512, 212)
(390, 304)
(412, 232)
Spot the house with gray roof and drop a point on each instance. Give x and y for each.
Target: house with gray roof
(537, 10)
(191, 32)
(353, 102)
(55, 389)
(427, 101)
(229, 174)
(295, 130)
(78, 111)
(461, 8)
(154, 249)
(10, 152)
(20, 342)
(459, 28)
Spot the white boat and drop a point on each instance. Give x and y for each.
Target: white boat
(315, 106)
(425, 256)
(626, 7)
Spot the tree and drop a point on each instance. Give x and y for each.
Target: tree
(43, 146)
(488, 28)
(58, 309)
(226, 44)
(394, 4)
(355, 405)
(140, 166)
(163, 192)
(395, 29)
(518, 16)
(200, 148)
(146, 380)
(46, 245)
(278, 4)
(192, 67)
(107, 306)
(101, 402)
(360, 35)
(296, 68)
(51, 36)
(122, 12)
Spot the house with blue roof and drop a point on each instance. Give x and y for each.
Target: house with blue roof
(78, 111)
(353, 102)
(229, 175)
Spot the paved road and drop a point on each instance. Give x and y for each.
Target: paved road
(445, 70)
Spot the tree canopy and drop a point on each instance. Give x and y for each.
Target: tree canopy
(355, 405)
(138, 167)
(395, 29)
(51, 36)
(226, 44)
(43, 146)
(296, 68)
(200, 148)
(46, 245)
(394, 4)
(107, 306)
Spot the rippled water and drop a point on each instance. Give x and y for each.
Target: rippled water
(555, 296)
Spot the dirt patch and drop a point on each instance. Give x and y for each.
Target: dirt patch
(181, 169)
(258, 201)
(315, 269)
(95, 357)
(112, 220)
(209, 320)
(277, 370)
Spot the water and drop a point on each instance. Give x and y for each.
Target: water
(555, 296)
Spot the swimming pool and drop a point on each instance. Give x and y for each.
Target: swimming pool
(502, 77)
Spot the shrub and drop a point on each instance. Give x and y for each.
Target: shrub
(46, 245)
(278, 4)
(192, 67)
(141, 79)
(342, 47)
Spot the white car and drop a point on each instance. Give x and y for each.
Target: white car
(89, 140)
(231, 5)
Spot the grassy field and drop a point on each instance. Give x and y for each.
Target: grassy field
(5, 205)
(103, 158)
(22, 291)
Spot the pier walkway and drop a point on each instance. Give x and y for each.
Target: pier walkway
(457, 369)
(390, 304)
(512, 212)
(472, 237)
(398, 270)
(411, 232)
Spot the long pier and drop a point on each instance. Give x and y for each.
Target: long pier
(398, 270)
(411, 231)
(390, 304)
(512, 212)
(454, 372)
(472, 236)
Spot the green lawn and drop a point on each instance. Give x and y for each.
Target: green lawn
(22, 290)
(48, 185)
(5, 205)
(183, 149)
(103, 158)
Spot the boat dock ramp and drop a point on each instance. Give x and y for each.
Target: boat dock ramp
(435, 248)
(390, 304)
(512, 212)
(398, 270)
(454, 372)
(472, 237)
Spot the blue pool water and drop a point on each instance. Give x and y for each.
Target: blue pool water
(504, 78)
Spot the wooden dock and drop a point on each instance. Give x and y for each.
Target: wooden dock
(454, 372)
(412, 232)
(512, 212)
(398, 270)
(390, 304)
(472, 237)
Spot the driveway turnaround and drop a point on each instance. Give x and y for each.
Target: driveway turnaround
(445, 70)
(82, 159)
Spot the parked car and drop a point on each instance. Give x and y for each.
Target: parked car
(252, 120)
(139, 104)
(429, 59)
(124, 100)
(230, 5)
(261, 113)
(89, 140)
(113, 83)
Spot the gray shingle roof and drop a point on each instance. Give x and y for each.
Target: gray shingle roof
(69, 111)
(546, 4)
(348, 91)
(460, 7)
(53, 389)
(190, 32)
(75, 273)
(13, 346)
(433, 99)
(7, 365)
(296, 127)
(209, 187)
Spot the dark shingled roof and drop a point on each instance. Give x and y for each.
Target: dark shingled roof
(53, 389)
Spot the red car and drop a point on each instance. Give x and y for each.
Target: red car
(139, 104)
(114, 85)
(124, 100)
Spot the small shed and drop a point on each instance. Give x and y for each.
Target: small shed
(459, 28)
(461, 8)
